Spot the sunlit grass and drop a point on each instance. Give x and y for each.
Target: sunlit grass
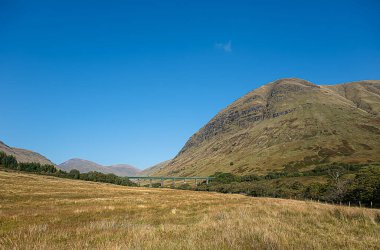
(39, 212)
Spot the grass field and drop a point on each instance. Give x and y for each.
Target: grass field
(39, 212)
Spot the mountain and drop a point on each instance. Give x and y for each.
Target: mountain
(289, 124)
(152, 170)
(24, 155)
(124, 170)
(85, 166)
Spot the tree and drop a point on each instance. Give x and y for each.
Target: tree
(9, 161)
(366, 186)
(315, 191)
(337, 186)
(74, 173)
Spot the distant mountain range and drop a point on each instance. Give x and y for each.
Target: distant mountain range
(289, 124)
(85, 166)
(23, 155)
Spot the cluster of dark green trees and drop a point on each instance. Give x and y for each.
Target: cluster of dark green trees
(338, 183)
(10, 162)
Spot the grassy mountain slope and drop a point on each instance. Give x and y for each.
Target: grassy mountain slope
(42, 212)
(85, 166)
(152, 170)
(290, 123)
(23, 155)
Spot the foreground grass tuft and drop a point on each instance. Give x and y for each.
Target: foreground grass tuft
(39, 212)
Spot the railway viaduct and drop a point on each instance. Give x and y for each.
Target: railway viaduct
(174, 179)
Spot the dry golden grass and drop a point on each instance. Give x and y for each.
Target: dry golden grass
(39, 212)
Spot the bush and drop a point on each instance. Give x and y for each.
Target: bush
(315, 191)
(74, 174)
(225, 177)
(185, 186)
(365, 187)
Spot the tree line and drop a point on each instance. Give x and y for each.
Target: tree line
(10, 162)
(349, 184)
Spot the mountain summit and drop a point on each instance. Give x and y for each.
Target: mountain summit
(289, 123)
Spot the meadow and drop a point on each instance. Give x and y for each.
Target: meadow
(45, 212)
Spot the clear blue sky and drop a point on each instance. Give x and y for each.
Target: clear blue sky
(131, 81)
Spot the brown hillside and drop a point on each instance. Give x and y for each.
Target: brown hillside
(23, 155)
(152, 170)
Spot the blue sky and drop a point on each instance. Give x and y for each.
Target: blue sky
(131, 81)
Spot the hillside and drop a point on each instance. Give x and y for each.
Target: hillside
(152, 170)
(41, 212)
(123, 170)
(85, 166)
(287, 124)
(23, 155)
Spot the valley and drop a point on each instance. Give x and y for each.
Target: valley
(186, 125)
(44, 212)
